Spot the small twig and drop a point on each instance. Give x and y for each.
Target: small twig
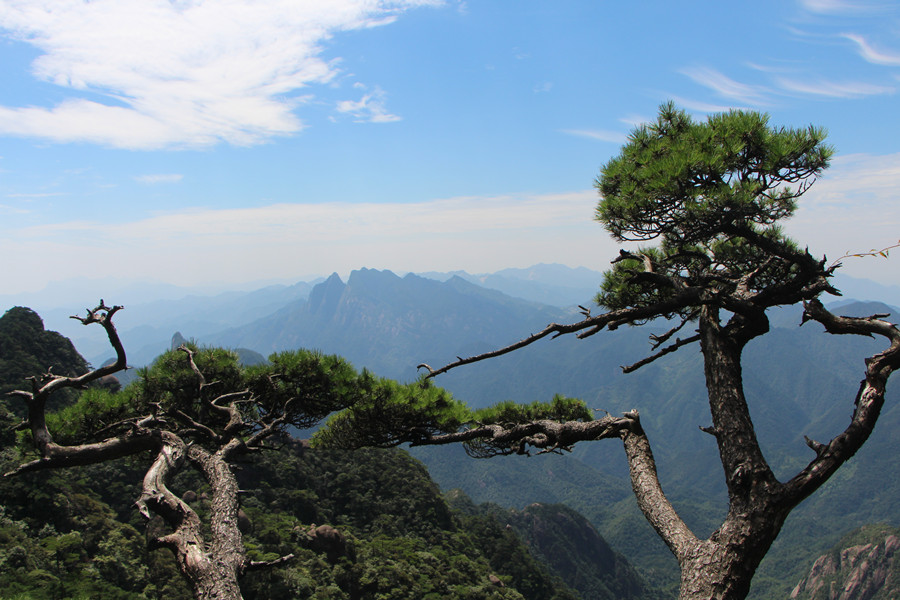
(883, 253)
(659, 340)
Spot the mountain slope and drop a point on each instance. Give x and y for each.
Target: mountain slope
(570, 546)
(28, 350)
(553, 284)
(387, 323)
(865, 565)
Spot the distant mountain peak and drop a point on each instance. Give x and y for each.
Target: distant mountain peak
(177, 341)
(324, 298)
(372, 274)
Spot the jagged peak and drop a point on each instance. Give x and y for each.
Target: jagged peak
(324, 297)
(365, 274)
(860, 567)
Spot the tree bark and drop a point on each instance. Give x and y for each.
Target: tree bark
(213, 567)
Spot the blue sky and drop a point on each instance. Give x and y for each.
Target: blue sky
(233, 141)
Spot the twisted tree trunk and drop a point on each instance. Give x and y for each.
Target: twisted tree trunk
(212, 567)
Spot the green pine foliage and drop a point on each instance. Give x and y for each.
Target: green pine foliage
(559, 409)
(700, 189)
(391, 414)
(690, 181)
(389, 410)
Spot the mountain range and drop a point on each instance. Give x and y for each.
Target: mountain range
(799, 382)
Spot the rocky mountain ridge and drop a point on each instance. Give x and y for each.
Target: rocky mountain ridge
(869, 570)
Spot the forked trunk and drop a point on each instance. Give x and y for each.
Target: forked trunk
(212, 566)
(216, 577)
(717, 571)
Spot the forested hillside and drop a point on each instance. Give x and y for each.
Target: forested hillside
(365, 524)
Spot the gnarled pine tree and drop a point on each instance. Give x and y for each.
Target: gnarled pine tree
(196, 408)
(710, 194)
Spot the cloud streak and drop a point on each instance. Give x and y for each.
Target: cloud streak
(833, 89)
(725, 86)
(834, 7)
(602, 135)
(159, 178)
(870, 54)
(852, 208)
(282, 240)
(371, 108)
(179, 74)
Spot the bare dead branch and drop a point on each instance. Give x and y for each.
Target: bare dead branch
(817, 447)
(193, 365)
(868, 402)
(230, 410)
(742, 290)
(589, 326)
(659, 340)
(255, 565)
(56, 456)
(710, 430)
(679, 343)
(883, 253)
(212, 435)
(496, 439)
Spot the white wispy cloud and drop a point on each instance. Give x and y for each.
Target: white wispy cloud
(771, 68)
(853, 207)
(602, 135)
(725, 86)
(700, 106)
(371, 108)
(635, 120)
(347, 221)
(35, 195)
(475, 233)
(159, 178)
(182, 74)
(825, 6)
(871, 54)
(833, 89)
(828, 7)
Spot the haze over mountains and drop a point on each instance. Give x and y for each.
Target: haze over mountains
(799, 381)
(155, 311)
